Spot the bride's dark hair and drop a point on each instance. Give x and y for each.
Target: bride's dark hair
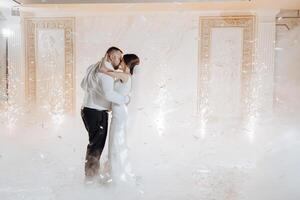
(131, 60)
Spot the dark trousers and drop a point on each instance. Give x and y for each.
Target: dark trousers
(96, 123)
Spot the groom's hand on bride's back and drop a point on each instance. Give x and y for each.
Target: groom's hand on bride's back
(127, 99)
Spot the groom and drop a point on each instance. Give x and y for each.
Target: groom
(98, 95)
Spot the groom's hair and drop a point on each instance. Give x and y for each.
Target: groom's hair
(113, 49)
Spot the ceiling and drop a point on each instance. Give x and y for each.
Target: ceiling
(24, 2)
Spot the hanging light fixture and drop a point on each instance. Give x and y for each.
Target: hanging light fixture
(6, 34)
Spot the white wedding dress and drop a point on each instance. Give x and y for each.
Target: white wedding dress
(119, 168)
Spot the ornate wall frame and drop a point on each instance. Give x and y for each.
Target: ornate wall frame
(68, 25)
(248, 23)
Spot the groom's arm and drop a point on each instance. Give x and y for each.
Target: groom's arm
(107, 83)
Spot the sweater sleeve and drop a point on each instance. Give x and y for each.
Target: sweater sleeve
(107, 84)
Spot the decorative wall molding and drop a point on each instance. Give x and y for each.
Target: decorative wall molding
(248, 24)
(288, 23)
(264, 68)
(31, 26)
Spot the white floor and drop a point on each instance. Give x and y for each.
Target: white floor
(41, 160)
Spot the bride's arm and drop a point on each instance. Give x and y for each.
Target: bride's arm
(118, 75)
(102, 67)
(115, 75)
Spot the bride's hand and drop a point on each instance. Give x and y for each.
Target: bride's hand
(123, 76)
(102, 66)
(128, 99)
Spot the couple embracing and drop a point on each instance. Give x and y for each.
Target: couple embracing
(107, 86)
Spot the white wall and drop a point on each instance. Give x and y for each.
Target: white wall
(287, 71)
(165, 83)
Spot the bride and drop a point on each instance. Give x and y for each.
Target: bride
(118, 168)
